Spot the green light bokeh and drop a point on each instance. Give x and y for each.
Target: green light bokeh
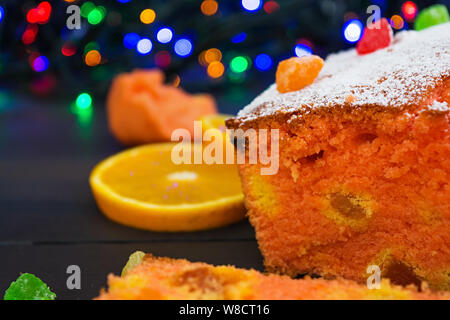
(84, 101)
(95, 16)
(86, 8)
(239, 64)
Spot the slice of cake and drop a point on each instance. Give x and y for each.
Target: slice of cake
(364, 166)
(164, 278)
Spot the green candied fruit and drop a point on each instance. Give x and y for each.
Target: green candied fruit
(134, 259)
(432, 16)
(29, 287)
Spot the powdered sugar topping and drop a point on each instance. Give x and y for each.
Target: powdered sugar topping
(392, 77)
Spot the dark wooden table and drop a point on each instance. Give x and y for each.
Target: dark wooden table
(48, 217)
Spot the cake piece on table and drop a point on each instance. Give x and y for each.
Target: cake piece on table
(164, 278)
(364, 166)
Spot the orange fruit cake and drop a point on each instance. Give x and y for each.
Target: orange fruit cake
(364, 166)
(150, 277)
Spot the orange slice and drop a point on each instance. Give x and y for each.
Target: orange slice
(143, 188)
(217, 122)
(214, 121)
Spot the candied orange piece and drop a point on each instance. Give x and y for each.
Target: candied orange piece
(142, 109)
(296, 73)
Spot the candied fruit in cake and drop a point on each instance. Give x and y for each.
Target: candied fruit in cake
(164, 278)
(431, 16)
(364, 174)
(377, 35)
(296, 73)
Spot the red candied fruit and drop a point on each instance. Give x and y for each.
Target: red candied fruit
(377, 35)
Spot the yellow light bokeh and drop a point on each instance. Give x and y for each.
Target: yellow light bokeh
(209, 7)
(212, 55)
(397, 22)
(93, 58)
(215, 69)
(201, 58)
(147, 16)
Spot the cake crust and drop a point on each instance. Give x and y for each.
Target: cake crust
(399, 78)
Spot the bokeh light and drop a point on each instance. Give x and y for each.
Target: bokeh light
(183, 47)
(130, 40)
(162, 59)
(212, 55)
(84, 101)
(209, 7)
(86, 8)
(215, 69)
(144, 46)
(91, 46)
(68, 49)
(240, 37)
(29, 34)
(251, 5)
(40, 64)
(40, 14)
(239, 64)
(164, 35)
(352, 30)
(147, 16)
(93, 58)
(263, 62)
(95, 16)
(2, 13)
(409, 10)
(397, 22)
(302, 50)
(271, 6)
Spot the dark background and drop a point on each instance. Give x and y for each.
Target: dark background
(48, 218)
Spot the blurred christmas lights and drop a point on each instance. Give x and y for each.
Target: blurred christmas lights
(164, 35)
(271, 6)
(68, 49)
(93, 58)
(215, 69)
(212, 55)
(251, 5)
(91, 46)
(40, 64)
(409, 10)
(147, 16)
(397, 22)
(183, 47)
(162, 59)
(40, 14)
(29, 34)
(301, 50)
(209, 7)
(263, 62)
(130, 40)
(239, 64)
(240, 37)
(144, 46)
(352, 30)
(86, 8)
(83, 101)
(96, 15)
